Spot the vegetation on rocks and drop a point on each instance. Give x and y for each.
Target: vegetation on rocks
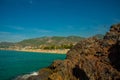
(55, 42)
(89, 59)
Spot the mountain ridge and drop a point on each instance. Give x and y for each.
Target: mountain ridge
(48, 41)
(54, 42)
(89, 59)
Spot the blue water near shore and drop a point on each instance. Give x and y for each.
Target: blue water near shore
(14, 63)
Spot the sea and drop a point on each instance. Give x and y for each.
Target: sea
(16, 63)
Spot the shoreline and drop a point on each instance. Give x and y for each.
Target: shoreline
(57, 51)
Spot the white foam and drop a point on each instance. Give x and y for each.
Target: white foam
(34, 74)
(26, 76)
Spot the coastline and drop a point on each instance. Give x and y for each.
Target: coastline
(57, 51)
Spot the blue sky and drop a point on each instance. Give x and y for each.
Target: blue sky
(23, 19)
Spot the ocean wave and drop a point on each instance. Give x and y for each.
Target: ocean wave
(26, 76)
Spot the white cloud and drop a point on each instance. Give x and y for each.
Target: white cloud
(14, 27)
(70, 27)
(116, 20)
(4, 33)
(10, 37)
(42, 31)
(30, 1)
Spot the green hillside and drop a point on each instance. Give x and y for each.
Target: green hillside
(99, 36)
(55, 42)
(6, 44)
(50, 42)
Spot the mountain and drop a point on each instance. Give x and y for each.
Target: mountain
(6, 44)
(55, 42)
(49, 42)
(99, 36)
(89, 59)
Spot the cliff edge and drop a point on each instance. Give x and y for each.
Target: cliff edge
(89, 59)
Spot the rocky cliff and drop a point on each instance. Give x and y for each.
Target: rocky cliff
(89, 59)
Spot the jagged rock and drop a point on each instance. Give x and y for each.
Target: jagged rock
(89, 59)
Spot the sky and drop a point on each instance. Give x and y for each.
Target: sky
(24, 19)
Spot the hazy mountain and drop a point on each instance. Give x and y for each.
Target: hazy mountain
(6, 44)
(46, 42)
(99, 36)
(50, 41)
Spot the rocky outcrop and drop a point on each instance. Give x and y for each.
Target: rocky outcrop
(89, 59)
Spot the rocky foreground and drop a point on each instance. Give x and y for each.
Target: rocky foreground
(90, 59)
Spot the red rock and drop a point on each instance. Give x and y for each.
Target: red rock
(90, 59)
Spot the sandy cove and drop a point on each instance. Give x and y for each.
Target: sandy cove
(57, 51)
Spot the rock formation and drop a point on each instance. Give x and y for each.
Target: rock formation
(89, 59)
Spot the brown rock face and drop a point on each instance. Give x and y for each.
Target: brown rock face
(90, 59)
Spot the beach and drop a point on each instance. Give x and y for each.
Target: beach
(53, 51)
(57, 51)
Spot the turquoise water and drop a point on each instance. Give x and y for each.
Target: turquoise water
(14, 63)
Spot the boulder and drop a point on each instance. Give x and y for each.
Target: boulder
(89, 59)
